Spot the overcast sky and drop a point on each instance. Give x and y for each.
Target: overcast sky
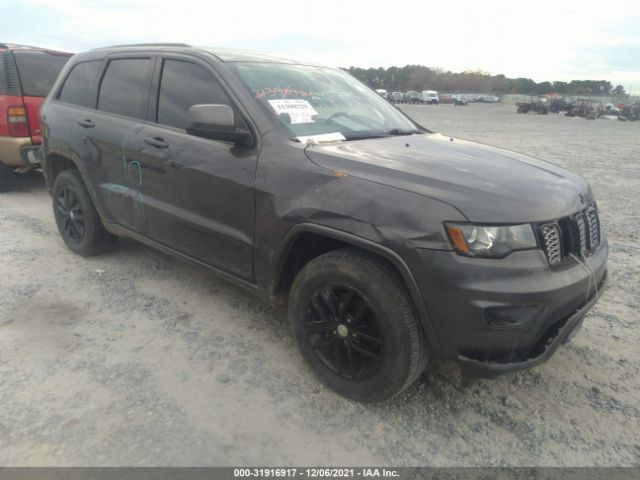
(543, 40)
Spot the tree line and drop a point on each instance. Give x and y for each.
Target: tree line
(419, 77)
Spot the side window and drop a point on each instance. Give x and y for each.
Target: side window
(182, 85)
(3, 74)
(38, 70)
(124, 87)
(77, 86)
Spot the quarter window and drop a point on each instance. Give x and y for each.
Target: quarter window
(77, 86)
(182, 85)
(124, 87)
(38, 70)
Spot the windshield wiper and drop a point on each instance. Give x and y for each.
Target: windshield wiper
(365, 136)
(398, 131)
(394, 132)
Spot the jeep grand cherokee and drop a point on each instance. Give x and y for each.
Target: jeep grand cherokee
(390, 244)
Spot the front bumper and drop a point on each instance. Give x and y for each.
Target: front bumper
(460, 291)
(558, 334)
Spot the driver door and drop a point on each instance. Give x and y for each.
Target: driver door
(199, 193)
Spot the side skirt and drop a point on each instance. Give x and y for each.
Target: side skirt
(250, 287)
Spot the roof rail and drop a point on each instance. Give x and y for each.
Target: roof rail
(16, 45)
(161, 44)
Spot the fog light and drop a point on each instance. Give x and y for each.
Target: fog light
(509, 317)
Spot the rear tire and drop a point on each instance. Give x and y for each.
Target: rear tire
(355, 325)
(76, 216)
(7, 177)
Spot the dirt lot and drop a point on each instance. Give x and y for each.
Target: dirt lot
(135, 358)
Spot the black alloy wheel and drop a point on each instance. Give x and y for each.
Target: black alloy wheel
(76, 216)
(355, 325)
(70, 209)
(344, 332)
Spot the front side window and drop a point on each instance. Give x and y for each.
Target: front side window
(124, 87)
(77, 86)
(182, 85)
(38, 70)
(310, 100)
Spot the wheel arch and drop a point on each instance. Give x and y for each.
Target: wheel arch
(304, 242)
(54, 164)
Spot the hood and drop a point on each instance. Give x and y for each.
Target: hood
(486, 184)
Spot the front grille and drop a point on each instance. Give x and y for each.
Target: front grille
(594, 229)
(582, 233)
(576, 235)
(552, 247)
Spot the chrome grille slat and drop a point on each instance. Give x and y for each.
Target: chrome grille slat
(582, 234)
(594, 229)
(552, 247)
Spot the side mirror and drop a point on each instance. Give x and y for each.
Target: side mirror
(216, 122)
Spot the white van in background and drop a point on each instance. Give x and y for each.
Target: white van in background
(430, 96)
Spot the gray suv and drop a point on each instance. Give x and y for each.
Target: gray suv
(390, 245)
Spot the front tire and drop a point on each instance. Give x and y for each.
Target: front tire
(355, 325)
(76, 216)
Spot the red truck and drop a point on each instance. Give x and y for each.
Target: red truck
(26, 75)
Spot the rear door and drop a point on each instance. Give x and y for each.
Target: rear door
(107, 132)
(37, 71)
(75, 100)
(199, 196)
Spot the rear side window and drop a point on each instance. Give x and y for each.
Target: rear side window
(3, 75)
(77, 86)
(182, 85)
(124, 87)
(38, 71)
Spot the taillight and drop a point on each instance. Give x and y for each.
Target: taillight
(18, 122)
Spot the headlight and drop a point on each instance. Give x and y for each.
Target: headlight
(490, 241)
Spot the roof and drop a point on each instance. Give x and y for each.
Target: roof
(15, 46)
(223, 54)
(234, 55)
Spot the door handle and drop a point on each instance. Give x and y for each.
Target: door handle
(156, 142)
(86, 123)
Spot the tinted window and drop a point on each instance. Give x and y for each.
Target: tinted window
(38, 71)
(182, 85)
(3, 75)
(77, 86)
(124, 87)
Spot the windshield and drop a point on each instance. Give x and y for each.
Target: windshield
(38, 71)
(312, 101)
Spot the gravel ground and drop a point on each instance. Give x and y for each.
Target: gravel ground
(133, 358)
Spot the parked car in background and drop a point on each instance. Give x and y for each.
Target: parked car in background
(445, 98)
(390, 245)
(485, 99)
(397, 97)
(26, 75)
(412, 97)
(430, 97)
(459, 100)
(382, 92)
